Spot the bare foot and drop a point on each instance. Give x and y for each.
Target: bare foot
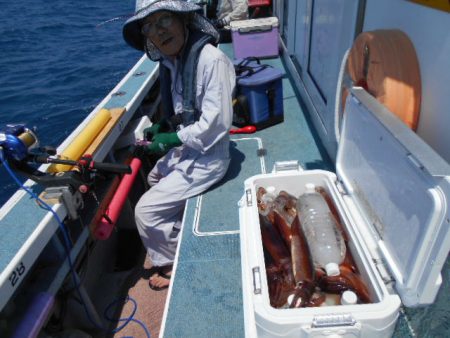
(160, 277)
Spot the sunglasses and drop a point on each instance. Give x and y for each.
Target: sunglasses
(150, 28)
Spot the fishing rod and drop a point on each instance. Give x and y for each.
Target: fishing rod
(20, 147)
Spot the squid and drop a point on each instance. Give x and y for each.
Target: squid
(349, 277)
(346, 280)
(279, 289)
(263, 208)
(276, 248)
(286, 205)
(283, 227)
(302, 266)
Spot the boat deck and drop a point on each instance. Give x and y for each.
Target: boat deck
(205, 299)
(32, 256)
(207, 286)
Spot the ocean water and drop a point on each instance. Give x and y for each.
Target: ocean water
(57, 62)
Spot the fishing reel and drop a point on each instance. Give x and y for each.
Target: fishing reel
(19, 146)
(16, 141)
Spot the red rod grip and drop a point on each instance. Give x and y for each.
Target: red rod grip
(105, 226)
(243, 130)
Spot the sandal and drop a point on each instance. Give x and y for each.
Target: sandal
(165, 271)
(157, 271)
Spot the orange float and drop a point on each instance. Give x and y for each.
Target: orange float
(384, 62)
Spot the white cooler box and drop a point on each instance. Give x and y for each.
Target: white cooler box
(391, 191)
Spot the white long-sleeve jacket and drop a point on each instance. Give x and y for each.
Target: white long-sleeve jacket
(215, 85)
(230, 10)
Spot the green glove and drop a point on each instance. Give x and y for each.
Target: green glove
(163, 142)
(163, 126)
(151, 131)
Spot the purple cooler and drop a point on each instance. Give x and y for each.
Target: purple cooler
(255, 37)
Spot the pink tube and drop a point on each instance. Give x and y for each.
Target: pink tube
(105, 226)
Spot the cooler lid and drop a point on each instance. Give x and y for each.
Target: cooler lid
(259, 75)
(402, 189)
(254, 25)
(251, 72)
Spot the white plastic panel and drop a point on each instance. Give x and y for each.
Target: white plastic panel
(397, 194)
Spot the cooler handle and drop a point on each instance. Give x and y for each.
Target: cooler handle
(260, 29)
(286, 166)
(333, 320)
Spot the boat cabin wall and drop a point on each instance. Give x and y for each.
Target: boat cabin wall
(317, 35)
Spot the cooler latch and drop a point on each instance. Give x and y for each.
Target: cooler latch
(383, 271)
(341, 187)
(248, 197)
(286, 166)
(256, 280)
(333, 321)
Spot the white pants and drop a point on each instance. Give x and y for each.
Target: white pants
(177, 176)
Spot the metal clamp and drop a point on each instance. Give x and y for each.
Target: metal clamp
(72, 201)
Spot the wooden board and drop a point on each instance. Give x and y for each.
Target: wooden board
(116, 113)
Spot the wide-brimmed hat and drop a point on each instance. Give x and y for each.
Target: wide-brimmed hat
(132, 27)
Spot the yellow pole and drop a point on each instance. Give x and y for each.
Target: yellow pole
(75, 149)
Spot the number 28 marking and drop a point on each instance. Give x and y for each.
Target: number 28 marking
(16, 274)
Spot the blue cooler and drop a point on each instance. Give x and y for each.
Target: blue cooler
(260, 89)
